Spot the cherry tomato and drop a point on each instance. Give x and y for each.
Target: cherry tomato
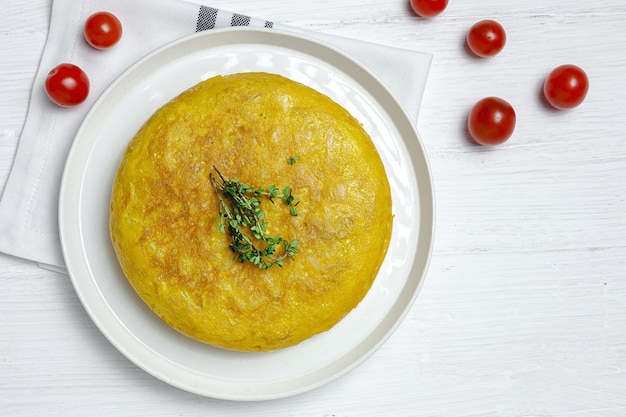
(428, 8)
(102, 30)
(67, 85)
(566, 87)
(491, 121)
(486, 38)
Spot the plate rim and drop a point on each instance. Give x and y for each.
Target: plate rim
(69, 230)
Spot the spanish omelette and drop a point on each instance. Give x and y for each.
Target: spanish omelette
(264, 130)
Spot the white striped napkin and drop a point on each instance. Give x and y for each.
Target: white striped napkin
(28, 206)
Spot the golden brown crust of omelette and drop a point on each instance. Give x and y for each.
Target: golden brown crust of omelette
(164, 211)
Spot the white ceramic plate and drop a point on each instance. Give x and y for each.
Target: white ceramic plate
(128, 323)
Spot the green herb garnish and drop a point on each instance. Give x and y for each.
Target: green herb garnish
(292, 160)
(242, 217)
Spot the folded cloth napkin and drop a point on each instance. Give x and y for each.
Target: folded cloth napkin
(28, 207)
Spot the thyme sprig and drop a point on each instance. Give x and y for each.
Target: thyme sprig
(242, 217)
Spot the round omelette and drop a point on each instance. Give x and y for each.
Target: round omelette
(173, 226)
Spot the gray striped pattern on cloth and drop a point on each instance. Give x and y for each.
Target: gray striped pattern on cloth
(211, 18)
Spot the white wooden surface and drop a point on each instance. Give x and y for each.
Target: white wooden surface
(524, 309)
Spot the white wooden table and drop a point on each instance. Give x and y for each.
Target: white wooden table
(523, 312)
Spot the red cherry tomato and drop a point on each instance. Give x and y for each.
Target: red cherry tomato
(67, 85)
(102, 30)
(491, 121)
(486, 38)
(428, 8)
(566, 87)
